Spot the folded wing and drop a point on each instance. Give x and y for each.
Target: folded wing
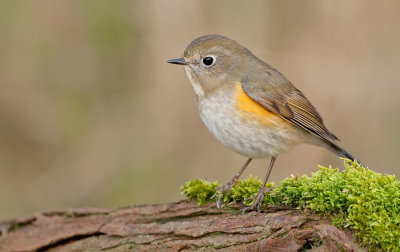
(289, 103)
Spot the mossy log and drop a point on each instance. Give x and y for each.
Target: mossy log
(181, 226)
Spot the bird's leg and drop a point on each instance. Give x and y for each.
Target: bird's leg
(228, 186)
(260, 196)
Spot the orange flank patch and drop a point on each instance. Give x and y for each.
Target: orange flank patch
(252, 111)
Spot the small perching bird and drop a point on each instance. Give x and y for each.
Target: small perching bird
(249, 106)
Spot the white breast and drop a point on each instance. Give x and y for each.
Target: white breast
(247, 138)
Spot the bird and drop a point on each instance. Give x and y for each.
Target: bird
(250, 107)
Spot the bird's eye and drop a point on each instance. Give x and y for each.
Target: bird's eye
(208, 61)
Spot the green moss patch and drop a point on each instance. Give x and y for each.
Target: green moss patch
(357, 198)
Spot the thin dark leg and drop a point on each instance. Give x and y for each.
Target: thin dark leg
(228, 186)
(260, 196)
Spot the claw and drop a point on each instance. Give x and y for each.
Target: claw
(222, 189)
(260, 196)
(258, 199)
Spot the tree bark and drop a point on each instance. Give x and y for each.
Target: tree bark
(181, 226)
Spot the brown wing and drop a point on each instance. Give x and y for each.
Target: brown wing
(288, 102)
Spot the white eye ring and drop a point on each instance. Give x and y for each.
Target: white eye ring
(208, 60)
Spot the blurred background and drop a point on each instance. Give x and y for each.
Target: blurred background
(92, 115)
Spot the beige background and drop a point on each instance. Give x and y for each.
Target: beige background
(91, 114)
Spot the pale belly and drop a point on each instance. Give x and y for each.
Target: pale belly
(249, 134)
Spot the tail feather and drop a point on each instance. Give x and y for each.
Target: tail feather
(343, 153)
(347, 155)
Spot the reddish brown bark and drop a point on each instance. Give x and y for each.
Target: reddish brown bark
(181, 226)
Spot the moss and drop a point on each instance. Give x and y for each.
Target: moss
(357, 198)
(200, 190)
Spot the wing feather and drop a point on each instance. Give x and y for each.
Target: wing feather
(289, 103)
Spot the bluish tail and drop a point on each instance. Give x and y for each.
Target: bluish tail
(343, 153)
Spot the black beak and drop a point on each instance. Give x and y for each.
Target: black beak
(180, 61)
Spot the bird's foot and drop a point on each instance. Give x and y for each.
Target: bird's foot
(258, 199)
(225, 188)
